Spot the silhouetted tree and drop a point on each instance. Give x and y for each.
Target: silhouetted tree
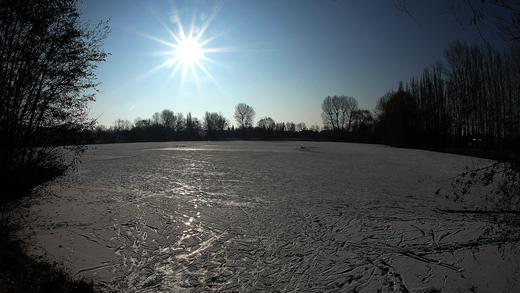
(280, 127)
(192, 127)
(180, 125)
(47, 63)
(156, 118)
(301, 126)
(315, 128)
(122, 124)
(330, 113)
(361, 117)
(337, 113)
(168, 119)
(398, 118)
(266, 123)
(244, 115)
(214, 123)
(142, 123)
(290, 126)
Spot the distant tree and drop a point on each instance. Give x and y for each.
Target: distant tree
(399, 118)
(192, 127)
(363, 126)
(196, 127)
(168, 119)
(244, 115)
(290, 126)
(122, 124)
(189, 122)
(330, 113)
(315, 128)
(214, 122)
(362, 117)
(221, 121)
(337, 112)
(48, 58)
(100, 128)
(280, 127)
(301, 126)
(142, 123)
(266, 123)
(349, 106)
(156, 118)
(180, 124)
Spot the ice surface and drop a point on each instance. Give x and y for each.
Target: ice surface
(268, 216)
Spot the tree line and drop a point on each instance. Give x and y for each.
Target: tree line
(471, 98)
(168, 125)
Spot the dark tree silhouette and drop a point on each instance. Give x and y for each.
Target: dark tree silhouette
(266, 123)
(244, 115)
(47, 63)
(399, 117)
(214, 124)
(168, 119)
(180, 124)
(280, 127)
(471, 103)
(338, 112)
(156, 118)
(290, 126)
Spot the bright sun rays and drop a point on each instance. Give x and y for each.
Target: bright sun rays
(188, 51)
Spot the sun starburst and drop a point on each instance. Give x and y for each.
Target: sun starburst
(187, 50)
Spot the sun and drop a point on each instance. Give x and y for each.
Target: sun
(189, 52)
(188, 49)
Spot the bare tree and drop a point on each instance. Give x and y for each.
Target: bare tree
(266, 123)
(348, 106)
(214, 122)
(301, 126)
(142, 123)
(362, 118)
(156, 118)
(290, 126)
(122, 124)
(168, 119)
(244, 115)
(337, 112)
(180, 125)
(280, 126)
(315, 128)
(47, 78)
(329, 114)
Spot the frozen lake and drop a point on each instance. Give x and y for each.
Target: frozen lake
(268, 216)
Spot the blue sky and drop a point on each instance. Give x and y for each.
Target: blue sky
(282, 57)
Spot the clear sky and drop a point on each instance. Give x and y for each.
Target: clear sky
(280, 57)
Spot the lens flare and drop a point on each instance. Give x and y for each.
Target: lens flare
(188, 50)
